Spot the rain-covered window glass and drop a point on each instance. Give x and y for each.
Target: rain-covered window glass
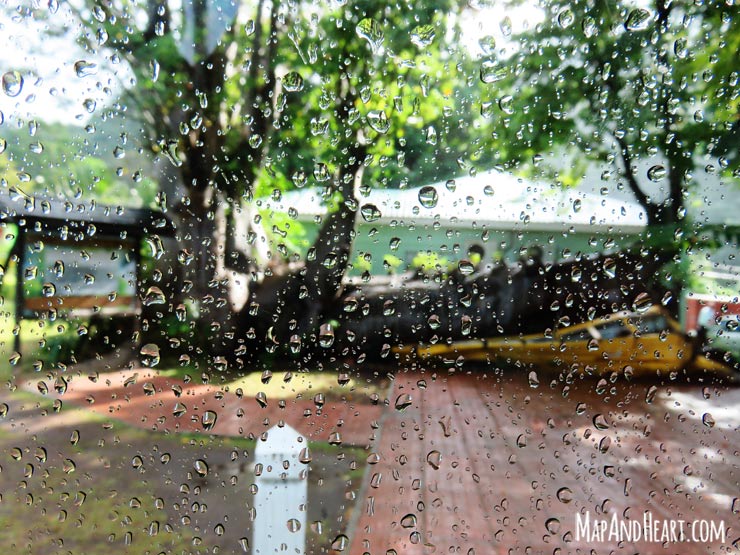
(369, 276)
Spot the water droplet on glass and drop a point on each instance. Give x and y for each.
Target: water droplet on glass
(487, 45)
(708, 420)
(372, 32)
(149, 355)
(208, 420)
(656, 173)
(169, 149)
(552, 525)
(491, 72)
(642, 303)
(201, 468)
(261, 399)
(12, 83)
(154, 295)
(403, 401)
(637, 20)
(434, 458)
(465, 267)
(430, 135)
(565, 495)
(600, 422)
(506, 26)
(340, 543)
(506, 104)
(566, 18)
(589, 27)
(293, 82)
(534, 381)
(650, 395)
(428, 196)
(326, 336)
(370, 212)
(84, 68)
(422, 36)
(378, 120)
(409, 521)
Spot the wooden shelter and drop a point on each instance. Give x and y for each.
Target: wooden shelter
(96, 252)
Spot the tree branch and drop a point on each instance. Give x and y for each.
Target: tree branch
(629, 175)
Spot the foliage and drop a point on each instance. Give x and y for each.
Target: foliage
(624, 82)
(429, 262)
(60, 160)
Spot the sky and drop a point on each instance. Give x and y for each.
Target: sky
(52, 90)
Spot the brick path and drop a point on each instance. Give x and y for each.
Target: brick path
(507, 451)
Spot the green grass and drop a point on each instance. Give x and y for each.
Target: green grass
(90, 518)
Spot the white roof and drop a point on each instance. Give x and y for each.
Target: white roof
(491, 199)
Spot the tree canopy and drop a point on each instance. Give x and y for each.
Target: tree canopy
(624, 83)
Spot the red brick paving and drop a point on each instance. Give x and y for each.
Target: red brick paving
(507, 450)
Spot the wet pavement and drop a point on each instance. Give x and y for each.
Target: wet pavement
(482, 463)
(490, 465)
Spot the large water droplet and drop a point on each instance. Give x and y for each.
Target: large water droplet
(154, 295)
(201, 468)
(340, 543)
(12, 82)
(465, 267)
(149, 355)
(293, 82)
(650, 395)
(434, 458)
(403, 401)
(208, 420)
(491, 72)
(600, 422)
(552, 525)
(487, 44)
(370, 212)
(637, 20)
(566, 18)
(409, 521)
(422, 36)
(372, 32)
(428, 196)
(642, 303)
(326, 336)
(565, 495)
(378, 120)
(84, 68)
(656, 173)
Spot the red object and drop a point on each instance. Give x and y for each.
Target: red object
(720, 304)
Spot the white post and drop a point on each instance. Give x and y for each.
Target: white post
(282, 494)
